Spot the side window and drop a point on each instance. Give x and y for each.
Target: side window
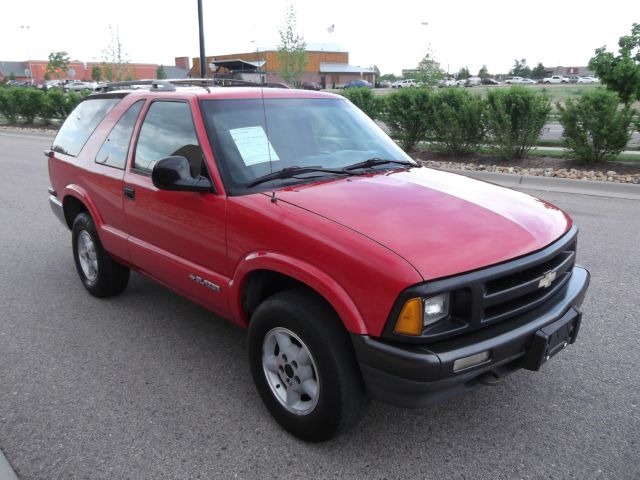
(115, 148)
(168, 131)
(81, 123)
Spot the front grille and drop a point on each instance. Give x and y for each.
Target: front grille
(500, 292)
(516, 293)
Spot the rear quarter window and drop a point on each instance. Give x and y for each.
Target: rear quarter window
(81, 123)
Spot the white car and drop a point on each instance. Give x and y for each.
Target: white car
(447, 82)
(461, 82)
(528, 81)
(513, 80)
(556, 79)
(407, 82)
(588, 79)
(78, 86)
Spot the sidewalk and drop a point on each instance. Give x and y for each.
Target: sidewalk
(550, 184)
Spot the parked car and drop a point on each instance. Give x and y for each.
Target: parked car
(528, 81)
(556, 79)
(447, 82)
(461, 83)
(490, 81)
(17, 83)
(358, 84)
(49, 84)
(78, 86)
(588, 79)
(311, 86)
(407, 82)
(573, 78)
(356, 271)
(384, 83)
(473, 82)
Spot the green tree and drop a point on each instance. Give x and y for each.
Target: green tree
(96, 73)
(515, 118)
(389, 76)
(520, 69)
(114, 59)
(292, 53)
(594, 128)
(621, 73)
(463, 73)
(538, 72)
(484, 72)
(58, 63)
(428, 71)
(160, 73)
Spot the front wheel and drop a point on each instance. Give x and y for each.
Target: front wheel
(100, 274)
(304, 368)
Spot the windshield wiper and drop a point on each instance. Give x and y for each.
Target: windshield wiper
(375, 161)
(291, 172)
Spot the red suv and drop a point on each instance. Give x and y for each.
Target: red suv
(357, 272)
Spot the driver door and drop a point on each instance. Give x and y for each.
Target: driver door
(177, 238)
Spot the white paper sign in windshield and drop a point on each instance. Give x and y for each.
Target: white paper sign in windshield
(253, 145)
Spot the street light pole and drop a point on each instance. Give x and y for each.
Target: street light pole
(28, 29)
(203, 67)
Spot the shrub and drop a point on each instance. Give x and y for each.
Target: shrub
(457, 120)
(57, 105)
(31, 104)
(9, 104)
(406, 113)
(365, 100)
(514, 119)
(594, 128)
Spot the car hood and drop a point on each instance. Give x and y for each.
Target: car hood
(441, 223)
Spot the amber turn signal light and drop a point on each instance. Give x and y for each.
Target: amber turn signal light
(409, 321)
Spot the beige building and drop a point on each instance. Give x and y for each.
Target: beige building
(327, 64)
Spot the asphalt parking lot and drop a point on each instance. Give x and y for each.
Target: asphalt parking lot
(149, 385)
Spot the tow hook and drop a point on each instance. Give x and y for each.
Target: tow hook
(490, 378)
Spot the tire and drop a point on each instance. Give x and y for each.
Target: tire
(100, 274)
(316, 392)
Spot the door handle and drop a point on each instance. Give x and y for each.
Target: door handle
(130, 192)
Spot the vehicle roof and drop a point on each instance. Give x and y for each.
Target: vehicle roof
(221, 93)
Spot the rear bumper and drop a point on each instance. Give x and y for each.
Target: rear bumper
(420, 375)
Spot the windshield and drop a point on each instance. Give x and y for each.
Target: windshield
(251, 139)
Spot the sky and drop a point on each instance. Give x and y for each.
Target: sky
(391, 35)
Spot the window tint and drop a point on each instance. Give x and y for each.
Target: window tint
(81, 123)
(168, 131)
(115, 148)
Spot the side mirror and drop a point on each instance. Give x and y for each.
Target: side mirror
(174, 173)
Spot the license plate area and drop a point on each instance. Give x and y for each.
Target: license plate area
(552, 338)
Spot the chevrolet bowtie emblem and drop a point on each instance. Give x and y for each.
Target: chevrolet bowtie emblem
(547, 280)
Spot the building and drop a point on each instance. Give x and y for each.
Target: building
(580, 71)
(83, 70)
(327, 65)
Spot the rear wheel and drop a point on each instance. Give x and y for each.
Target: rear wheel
(304, 368)
(100, 274)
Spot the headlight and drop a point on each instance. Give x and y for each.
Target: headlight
(435, 308)
(418, 313)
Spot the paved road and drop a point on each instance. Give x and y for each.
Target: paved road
(148, 385)
(553, 131)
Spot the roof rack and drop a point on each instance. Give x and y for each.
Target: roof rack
(170, 85)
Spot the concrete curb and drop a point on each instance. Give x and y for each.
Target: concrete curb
(552, 184)
(6, 472)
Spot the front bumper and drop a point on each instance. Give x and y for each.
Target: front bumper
(421, 375)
